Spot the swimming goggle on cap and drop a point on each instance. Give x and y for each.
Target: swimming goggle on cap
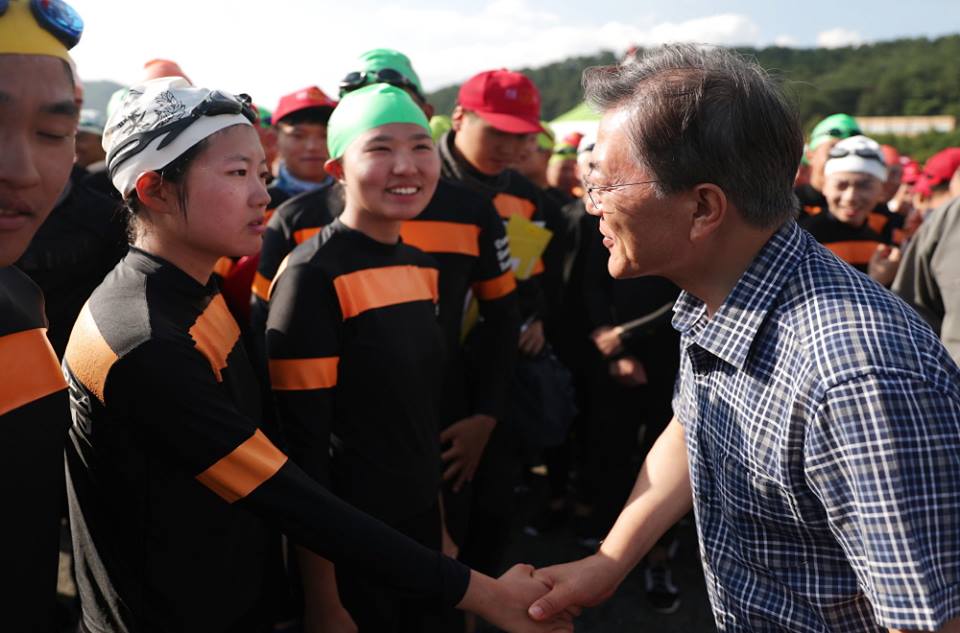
(39, 27)
(367, 108)
(161, 119)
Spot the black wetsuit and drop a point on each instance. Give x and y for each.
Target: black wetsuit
(172, 485)
(356, 362)
(34, 416)
(854, 245)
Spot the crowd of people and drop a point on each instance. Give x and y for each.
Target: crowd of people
(291, 367)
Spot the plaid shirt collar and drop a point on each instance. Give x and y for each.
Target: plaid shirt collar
(730, 333)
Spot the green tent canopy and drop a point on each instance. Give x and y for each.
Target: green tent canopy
(582, 112)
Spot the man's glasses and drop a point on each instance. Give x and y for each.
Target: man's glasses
(836, 132)
(593, 191)
(868, 154)
(216, 103)
(359, 79)
(56, 17)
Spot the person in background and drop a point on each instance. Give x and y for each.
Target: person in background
(562, 169)
(38, 120)
(854, 176)
(90, 154)
(300, 119)
(268, 138)
(824, 136)
(939, 182)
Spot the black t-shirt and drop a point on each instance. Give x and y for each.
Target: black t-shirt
(34, 418)
(854, 245)
(78, 244)
(355, 352)
(172, 483)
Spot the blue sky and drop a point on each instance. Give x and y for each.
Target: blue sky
(269, 49)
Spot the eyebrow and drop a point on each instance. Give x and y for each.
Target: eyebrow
(64, 108)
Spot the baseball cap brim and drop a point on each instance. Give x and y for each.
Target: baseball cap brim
(510, 123)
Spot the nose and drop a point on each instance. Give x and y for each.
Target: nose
(17, 169)
(404, 163)
(260, 197)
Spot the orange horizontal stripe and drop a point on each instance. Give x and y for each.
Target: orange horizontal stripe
(29, 369)
(223, 267)
(442, 237)
(244, 469)
(855, 252)
(267, 215)
(899, 236)
(214, 333)
(261, 287)
(509, 205)
(811, 209)
(538, 267)
(877, 222)
(380, 287)
(303, 235)
(88, 355)
(302, 374)
(495, 288)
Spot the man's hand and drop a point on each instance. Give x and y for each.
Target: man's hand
(607, 339)
(467, 438)
(628, 371)
(884, 264)
(577, 585)
(532, 339)
(504, 602)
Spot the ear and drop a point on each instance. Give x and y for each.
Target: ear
(151, 192)
(710, 212)
(457, 118)
(428, 110)
(334, 167)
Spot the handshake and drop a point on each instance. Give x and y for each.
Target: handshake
(528, 600)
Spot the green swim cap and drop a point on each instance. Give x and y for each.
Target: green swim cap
(440, 124)
(265, 117)
(547, 138)
(839, 126)
(380, 58)
(367, 108)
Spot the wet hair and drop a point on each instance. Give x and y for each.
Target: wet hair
(174, 172)
(707, 115)
(317, 116)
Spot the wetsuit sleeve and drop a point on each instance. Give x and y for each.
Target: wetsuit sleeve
(278, 241)
(303, 352)
(186, 417)
(495, 287)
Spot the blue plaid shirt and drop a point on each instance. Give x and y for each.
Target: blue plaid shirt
(822, 421)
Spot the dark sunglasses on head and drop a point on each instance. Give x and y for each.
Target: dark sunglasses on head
(836, 132)
(56, 17)
(868, 154)
(359, 79)
(216, 103)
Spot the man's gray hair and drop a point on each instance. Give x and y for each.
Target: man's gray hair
(707, 115)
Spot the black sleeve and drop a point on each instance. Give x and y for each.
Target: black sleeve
(195, 425)
(495, 351)
(278, 241)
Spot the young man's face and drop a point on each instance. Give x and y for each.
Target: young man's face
(303, 149)
(38, 121)
(487, 149)
(89, 149)
(851, 196)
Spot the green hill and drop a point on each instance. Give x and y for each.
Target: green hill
(901, 77)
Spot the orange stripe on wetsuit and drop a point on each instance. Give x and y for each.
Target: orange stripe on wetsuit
(379, 287)
(303, 235)
(244, 469)
(88, 355)
(28, 369)
(303, 374)
(857, 252)
(442, 237)
(509, 205)
(215, 332)
(495, 288)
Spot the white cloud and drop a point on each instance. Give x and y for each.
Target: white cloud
(786, 41)
(838, 38)
(301, 42)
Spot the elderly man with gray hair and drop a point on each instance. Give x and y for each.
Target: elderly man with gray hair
(816, 428)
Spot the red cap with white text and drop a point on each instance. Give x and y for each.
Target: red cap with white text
(505, 99)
